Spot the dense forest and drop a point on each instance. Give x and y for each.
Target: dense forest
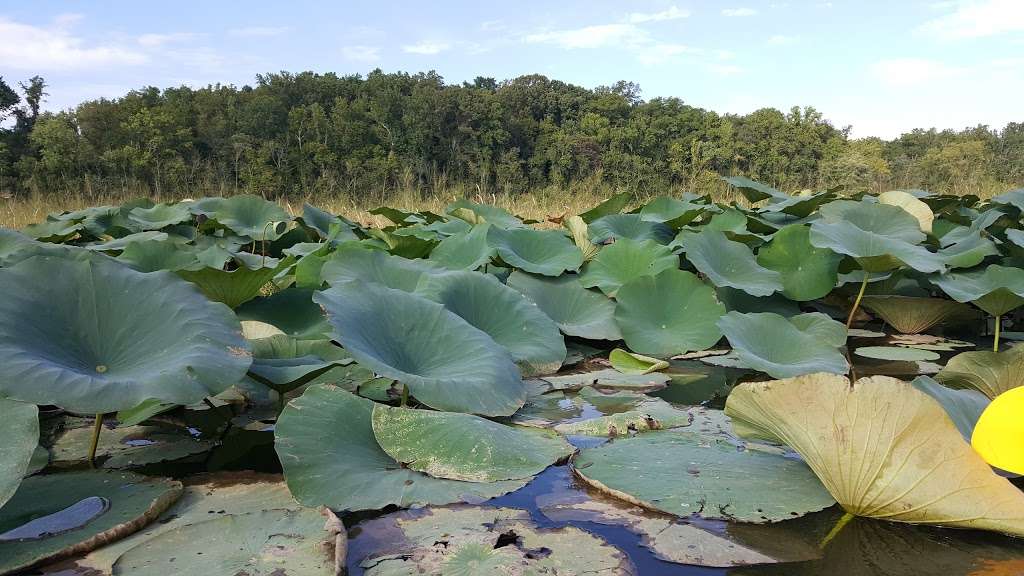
(307, 133)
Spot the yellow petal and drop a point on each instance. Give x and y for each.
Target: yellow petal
(999, 434)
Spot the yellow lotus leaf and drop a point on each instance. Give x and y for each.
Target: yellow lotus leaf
(882, 448)
(991, 373)
(908, 202)
(999, 434)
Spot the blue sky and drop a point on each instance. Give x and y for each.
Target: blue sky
(884, 67)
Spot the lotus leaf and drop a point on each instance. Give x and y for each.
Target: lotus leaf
(963, 406)
(130, 502)
(807, 272)
(882, 448)
(648, 414)
(85, 344)
(751, 190)
(668, 314)
(545, 252)
(626, 260)
(579, 231)
(464, 447)
(480, 213)
(238, 286)
(997, 435)
(19, 427)
(631, 226)
(913, 314)
(158, 255)
(613, 205)
(612, 379)
(285, 363)
(970, 251)
(991, 373)
(354, 262)
(118, 244)
(895, 353)
(292, 311)
(671, 211)
(330, 457)
(996, 289)
(576, 310)
(728, 263)
(686, 474)
(160, 216)
(246, 215)
(128, 446)
(1013, 198)
(53, 230)
(916, 208)
(467, 250)
(631, 363)
(783, 347)
(326, 224)
(880, 237)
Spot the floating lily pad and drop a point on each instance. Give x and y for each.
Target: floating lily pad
(608, 379)
(729, 263)
(784, 347)
(330, 457)
(464, 447)
(648, 414)
(686, 474)
(626, 260)
(19, 427)
(576, 310)
(131, 502)
(545, 252)
(446, 362)
(128, 446)
(895, 353)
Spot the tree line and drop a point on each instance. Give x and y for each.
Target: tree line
(369, 136)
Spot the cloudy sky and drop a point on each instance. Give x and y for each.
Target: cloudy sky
(883, 66)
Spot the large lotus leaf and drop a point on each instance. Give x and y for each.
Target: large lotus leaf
(285, 363)
(912, 314)
(446, 362)
(964, 406)
(784, 347)
(740, 301)
(160, 216)
(970, 251)
(467, 250)
(613, 205)
(330, 457)
(1013, 198)
(128, 446)
(353, 262)
(463, 446)
(479, 213)
(106, 337)
(753, 191)
(880, 237)
(808, 273)
(246, 215)
(160, 255)
(668, 314)
(291, 310)
(235, 287)
(100, 507)
(911, 205)
(625, 260)
(19, 428)
(53, 230)
(12, 241)
(685, 474)
(990, 373)
(475, 541)
(579, 231)
(996, 289)
(728, 263)
(576, 310)
(608, 379)
(800, 206)
(631, 226)
(123, 242)
(896, 353)
(546, 252)
(265, 543)
(502, 313)
(671, 211)
(882, 448)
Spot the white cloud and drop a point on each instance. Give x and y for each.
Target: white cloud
(258, 31)
(673, 13)
(658, 53)
(913, 72)
(361, 53)
(782, 40)
(738, 12)
(592, 36)
(54, 47)
(157, 40)
(425, 48)
(977, 19)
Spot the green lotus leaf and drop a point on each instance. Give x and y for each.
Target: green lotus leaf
(502, 313)
(118, 244)
(464, 447)
(353, 262)
(671, 211)
(262, 543)
(631, 226)
(647, 415)
(685, 474)
(238, 286)
(800, 206)
(668, 314)
(479, 213)
(285, 363)
(158, 255)
(160, 216)
(913, 314)
(970, 251)
(476, 543)
(783, 347)
(808, 273)
(921, 469)
(880, 237)
(1013, 198)
(631, 363)
(291, 310)
(11, 241)
(964, 406)
(19, 427)
(406, 246)
(576, 310)
(996, 289)
(111, 505)
(990, 373)
(245, 215)
(545, 252)
(896, 353)
(613, 205)
(319, 220)
(144, 411)
(467, 250)
(330, 457)
(128, 446)
(625, 260)
(732, 264)
(54, 230)
(740, 301)
(608, 379)
(751, 190)
(106, 338)
(446, 362)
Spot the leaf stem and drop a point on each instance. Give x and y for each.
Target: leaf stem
(856, 303)
(995, 341)
(97, 427)
(405, 395)
(840, 524)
